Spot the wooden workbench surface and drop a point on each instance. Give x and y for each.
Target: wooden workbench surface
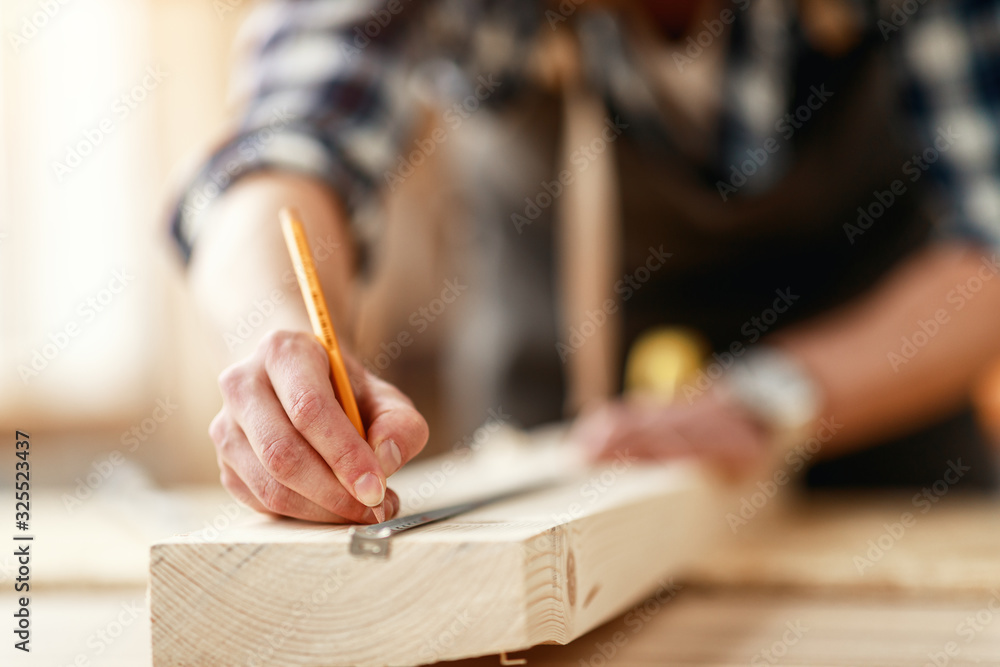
(730, 627)
(698, 626)
(788, 583)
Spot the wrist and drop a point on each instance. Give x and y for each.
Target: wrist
(776, 390)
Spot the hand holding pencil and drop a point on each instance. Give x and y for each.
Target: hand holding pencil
(319, 316)
(291, 436)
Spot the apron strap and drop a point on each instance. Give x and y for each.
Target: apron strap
(588, 237)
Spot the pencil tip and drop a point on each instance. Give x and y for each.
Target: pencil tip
(379, 513)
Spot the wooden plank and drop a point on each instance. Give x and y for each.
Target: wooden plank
(545, 568)
(103, 539)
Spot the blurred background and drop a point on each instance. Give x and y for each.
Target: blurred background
(89, 140)
(105, 104)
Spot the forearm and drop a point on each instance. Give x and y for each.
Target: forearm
(873, 384)
(241, 276)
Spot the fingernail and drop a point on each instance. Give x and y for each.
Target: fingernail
(369, 489)
(389, 457)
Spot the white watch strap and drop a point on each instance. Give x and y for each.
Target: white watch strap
(774, 387)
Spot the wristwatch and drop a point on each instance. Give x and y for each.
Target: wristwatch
(775, 389)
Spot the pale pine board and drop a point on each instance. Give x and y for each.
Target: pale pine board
(502, 578)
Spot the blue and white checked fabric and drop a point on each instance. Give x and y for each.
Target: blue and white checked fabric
(332, 87)
(952, 57)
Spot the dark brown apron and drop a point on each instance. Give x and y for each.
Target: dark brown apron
(730, 258)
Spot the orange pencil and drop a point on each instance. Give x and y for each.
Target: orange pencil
(319, 315)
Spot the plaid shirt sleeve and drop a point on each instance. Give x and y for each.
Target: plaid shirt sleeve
(952, 54)
(323, 98)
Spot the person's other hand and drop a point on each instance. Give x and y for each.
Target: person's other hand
(285, 445)
(713, 427)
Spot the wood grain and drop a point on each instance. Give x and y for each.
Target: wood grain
(851, 541)
(740, 627)
(543, 568)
